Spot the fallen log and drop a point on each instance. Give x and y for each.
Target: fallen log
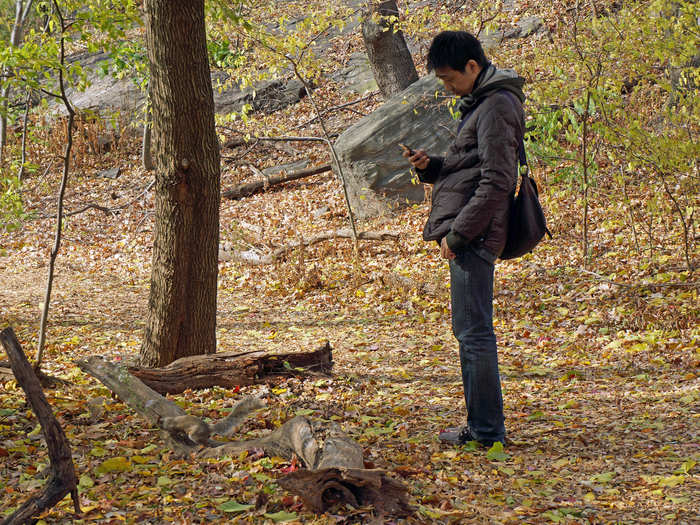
(334, 461)
(244, 190)
(255, 257)
(231, 369)
(62, 480)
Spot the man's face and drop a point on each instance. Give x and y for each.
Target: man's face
(459, 82)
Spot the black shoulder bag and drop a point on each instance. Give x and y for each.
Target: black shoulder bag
(527, 224)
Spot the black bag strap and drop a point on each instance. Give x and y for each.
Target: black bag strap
(522, 158)
(524, 169)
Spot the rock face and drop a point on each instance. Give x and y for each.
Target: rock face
(106, 94)
(378, 176)
(357, 76)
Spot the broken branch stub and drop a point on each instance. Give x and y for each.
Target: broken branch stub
(322, 489)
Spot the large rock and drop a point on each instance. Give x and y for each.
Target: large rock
(378, 176)
(106, 94)
(357, 76)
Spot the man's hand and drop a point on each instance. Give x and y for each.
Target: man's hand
(419, 159)
(445, 251)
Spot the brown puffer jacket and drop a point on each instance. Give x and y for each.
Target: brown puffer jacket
(474, 181)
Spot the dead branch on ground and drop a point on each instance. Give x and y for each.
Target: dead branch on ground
(334, 461)
(63, 479)
(256, 257)
(232, 369)
(244, 190)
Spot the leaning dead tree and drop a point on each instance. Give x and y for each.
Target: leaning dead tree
(334, 463)
(62, 480)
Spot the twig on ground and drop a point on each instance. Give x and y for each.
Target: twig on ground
(633, 286)
(105, 209)
(256, 257)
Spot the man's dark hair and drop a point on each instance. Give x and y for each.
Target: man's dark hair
(454, 49)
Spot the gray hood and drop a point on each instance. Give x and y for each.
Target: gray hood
(489, 80)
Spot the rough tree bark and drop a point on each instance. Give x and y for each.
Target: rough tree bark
(63, 479)
(146, 156)
(181, 319)
(387, 51)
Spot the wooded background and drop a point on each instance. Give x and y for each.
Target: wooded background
(122, 126)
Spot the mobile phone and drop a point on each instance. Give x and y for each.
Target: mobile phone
(406, 148)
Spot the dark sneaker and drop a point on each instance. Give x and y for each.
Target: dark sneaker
(459, 436)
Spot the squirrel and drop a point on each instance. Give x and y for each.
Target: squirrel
(193, 430)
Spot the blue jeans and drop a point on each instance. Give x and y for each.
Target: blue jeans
(471, 291)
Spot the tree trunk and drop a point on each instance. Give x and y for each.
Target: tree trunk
(388, 54)
(21, 13)
(682, 78)
(181, 319)
(146, 156)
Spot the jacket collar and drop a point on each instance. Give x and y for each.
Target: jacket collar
(492, 79)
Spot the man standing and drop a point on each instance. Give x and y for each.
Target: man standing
(473, 184)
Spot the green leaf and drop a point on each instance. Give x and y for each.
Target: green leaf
(605, 477)
(234, 506)
(282, 516)
(685, 467)
(118, 464)
(470, 446)
(98, 452)
(496, 452)
(164, 481)
(85, 482)
(671, 481)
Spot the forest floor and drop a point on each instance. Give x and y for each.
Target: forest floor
(599, 362)
(600, 381)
